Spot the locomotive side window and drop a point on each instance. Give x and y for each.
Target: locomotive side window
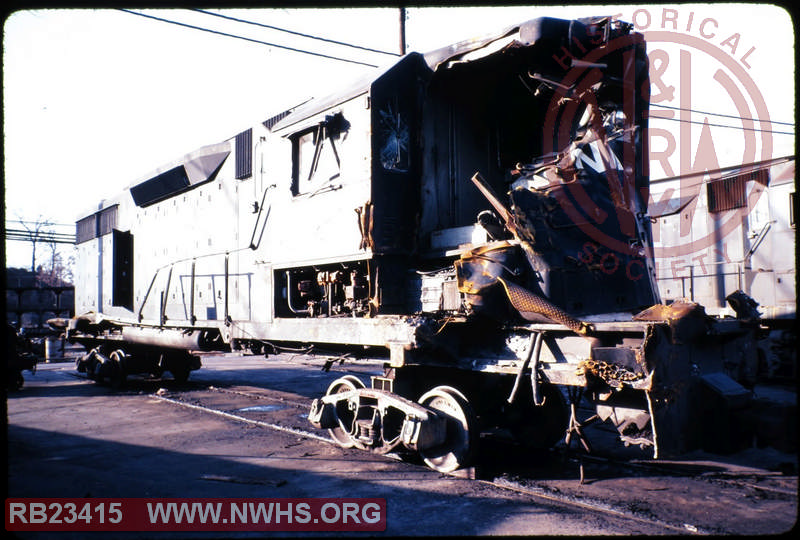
(315, 154)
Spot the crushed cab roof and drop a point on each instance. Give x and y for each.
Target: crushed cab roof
(524, 34)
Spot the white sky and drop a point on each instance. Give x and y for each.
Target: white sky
(95, 99)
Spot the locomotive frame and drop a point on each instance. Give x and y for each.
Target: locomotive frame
(438, 211)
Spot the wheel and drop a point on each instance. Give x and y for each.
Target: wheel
(89, 363)
(92, 372)
(344, 415)
(180, 374)
(179, 364)
(460, 440)
(117, 373)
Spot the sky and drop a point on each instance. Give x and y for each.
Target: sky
(93, 100)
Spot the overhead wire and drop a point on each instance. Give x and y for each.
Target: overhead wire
(43, 232)
(46, 237)
(251, 40)
(23, 222)
(767, 121)
(326, 40)
(745, 128)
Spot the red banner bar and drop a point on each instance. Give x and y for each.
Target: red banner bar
(214, 514)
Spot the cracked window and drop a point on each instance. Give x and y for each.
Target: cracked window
(394, 138)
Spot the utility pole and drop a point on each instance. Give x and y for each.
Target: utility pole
(402, 30)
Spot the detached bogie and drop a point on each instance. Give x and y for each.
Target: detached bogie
(441, 425)
(381, 421)
(114, 367)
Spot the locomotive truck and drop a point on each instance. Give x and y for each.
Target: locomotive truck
(478, 213)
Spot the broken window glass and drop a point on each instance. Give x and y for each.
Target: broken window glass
(394, 138)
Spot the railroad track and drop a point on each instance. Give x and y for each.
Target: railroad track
(258, 407)
(551, 477)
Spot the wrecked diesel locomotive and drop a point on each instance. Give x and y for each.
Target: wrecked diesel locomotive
(479, 212)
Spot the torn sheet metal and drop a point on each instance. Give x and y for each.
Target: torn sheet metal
(687, 320)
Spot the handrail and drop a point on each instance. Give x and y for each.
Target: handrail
(258, 219)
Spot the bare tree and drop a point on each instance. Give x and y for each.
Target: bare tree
(36, 231)
(42, 231)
